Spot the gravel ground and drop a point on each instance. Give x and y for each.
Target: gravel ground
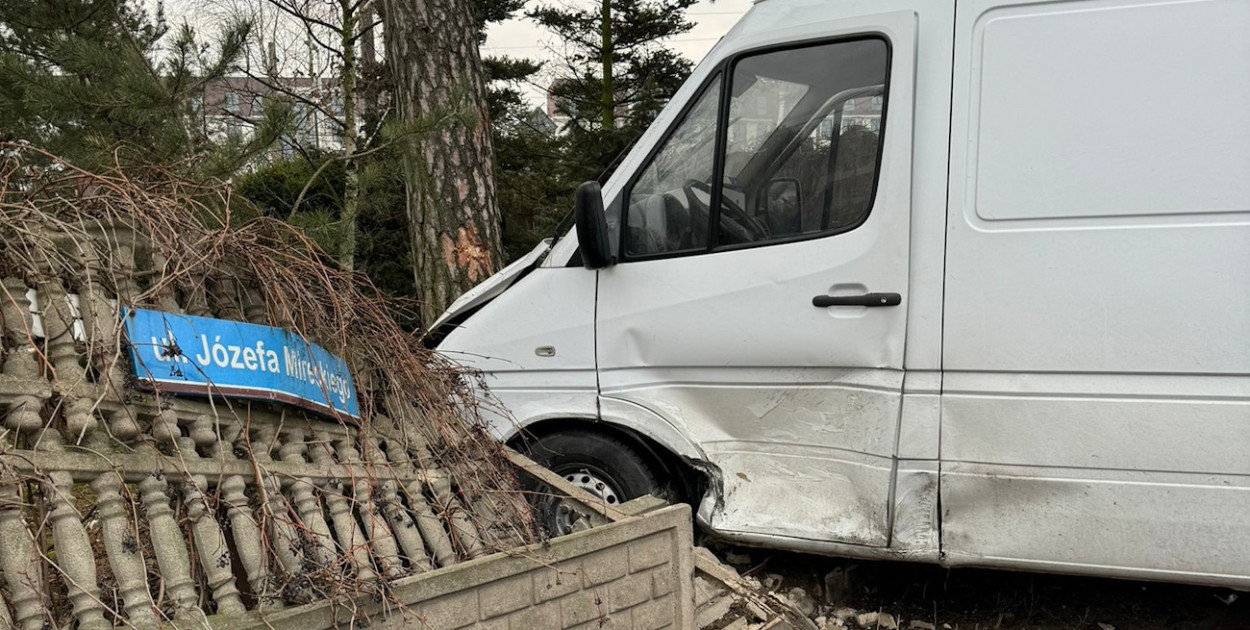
(975, 599)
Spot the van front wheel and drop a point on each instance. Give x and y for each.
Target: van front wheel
(602, 465)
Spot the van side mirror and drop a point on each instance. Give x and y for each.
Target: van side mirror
(592, 226)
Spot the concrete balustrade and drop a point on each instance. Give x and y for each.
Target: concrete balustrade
(120, 506)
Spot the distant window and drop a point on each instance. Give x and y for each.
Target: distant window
(762, 105)
(230, 101)
(306, 125)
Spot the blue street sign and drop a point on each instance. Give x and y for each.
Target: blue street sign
(216, 357)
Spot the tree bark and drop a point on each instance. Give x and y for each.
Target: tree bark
(431, 47)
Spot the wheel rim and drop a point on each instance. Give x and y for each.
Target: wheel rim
(595, 483)
(565, 517)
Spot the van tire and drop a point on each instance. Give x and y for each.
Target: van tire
(627, 472)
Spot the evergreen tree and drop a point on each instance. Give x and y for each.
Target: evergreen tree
(617, 73)
(531, 174)
(88, 80)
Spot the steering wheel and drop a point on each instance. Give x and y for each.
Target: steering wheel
(734, 220)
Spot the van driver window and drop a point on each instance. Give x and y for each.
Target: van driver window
(803, 141)
(664, 211)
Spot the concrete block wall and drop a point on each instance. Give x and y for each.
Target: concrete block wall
(634, 574)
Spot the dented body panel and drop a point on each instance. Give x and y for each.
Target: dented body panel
(796, 412)
(1064, 384)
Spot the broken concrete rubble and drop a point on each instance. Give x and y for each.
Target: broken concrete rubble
(801, 600)
(845, 614)
(867, 620)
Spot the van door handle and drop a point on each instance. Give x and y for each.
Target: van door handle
(867, 299)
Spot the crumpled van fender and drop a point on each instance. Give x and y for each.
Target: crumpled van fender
(650, 424)
(636, 419)
(621, 413)
(661, 431)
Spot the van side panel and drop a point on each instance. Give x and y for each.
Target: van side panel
(1096, 342)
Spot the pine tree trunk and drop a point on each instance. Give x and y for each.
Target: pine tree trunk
(431, 47)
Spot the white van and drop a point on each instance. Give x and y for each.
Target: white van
(973, 288)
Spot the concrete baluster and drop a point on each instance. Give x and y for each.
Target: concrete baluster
(453, 506)
(70, 381)
(20, 365)
(347, 529)
(210, 542)
(121, 541)
(100, 324)
(166, 296)
(123, 253)
(197, 302)
(431, 526)
(254, 309)
(243, 523)
(462, 526)
(74, 558)
(381, 539)
(20, 560)
(444, 547)
(120, 242)
(5, 620)
(402, 522)
(168, 542)
(227, 298)
(283, 536)
(304, 492)
(99, 318)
